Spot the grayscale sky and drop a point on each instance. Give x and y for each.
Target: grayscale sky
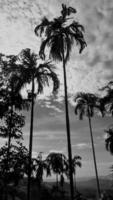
(86, 72)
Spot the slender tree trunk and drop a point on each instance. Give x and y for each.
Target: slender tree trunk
(57, 181)
(30, 142)
(9, 134)
(75, 181)
(68, 132)
(8, 151)
(10, 125)
(94, 156)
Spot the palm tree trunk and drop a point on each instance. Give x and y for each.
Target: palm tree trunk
(57, 181)
(68, 132)
(30, 142)
(75, 182)
(94, 156)
(10, 126)
(10, 129)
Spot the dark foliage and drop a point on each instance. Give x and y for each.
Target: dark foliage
(107, 99)
(109, 139)
(31, 68)
(60, 29)
(12, 125)
(86, 104)
(18, 160)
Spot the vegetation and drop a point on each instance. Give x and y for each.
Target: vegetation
(29, 68)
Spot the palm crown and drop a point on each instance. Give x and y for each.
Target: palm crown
(31, 70)
(60, 30)
(86, 103)
(57, 162)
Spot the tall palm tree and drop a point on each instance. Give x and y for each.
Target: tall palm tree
(32, 72)
(60, 35)
(86, 103)
(76, 162)
(109, 140)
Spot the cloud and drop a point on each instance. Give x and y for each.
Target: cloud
(105, 136)
(55, 151)
(82, 146)
(18, 20)
(3, 141)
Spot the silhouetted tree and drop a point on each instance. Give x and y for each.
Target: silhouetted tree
(107, 99)
(33, 72)
(10, 91)
(109, 139)
(61, 29)
(18, 122)
(76, 162)
(40, 165)
(17, 165)
(57, 163)
(86, 103)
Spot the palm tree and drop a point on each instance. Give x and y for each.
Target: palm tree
(76, 162)
(61, 29)
(109, 140)
(40, 165)
(31, 71)
(86, 103)
(57, 163)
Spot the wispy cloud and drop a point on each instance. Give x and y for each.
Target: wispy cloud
(82, 146)
(18, 20)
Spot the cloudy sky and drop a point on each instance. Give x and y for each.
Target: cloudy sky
(86, 72)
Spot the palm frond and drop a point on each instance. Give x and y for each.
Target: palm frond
(43, 74)
(56, 47)
(40, 28)
(42, 48)
(67, 10)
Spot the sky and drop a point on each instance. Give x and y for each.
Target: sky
(87, 72)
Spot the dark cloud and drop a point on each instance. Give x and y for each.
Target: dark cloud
(108, 64)
(96, 60)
